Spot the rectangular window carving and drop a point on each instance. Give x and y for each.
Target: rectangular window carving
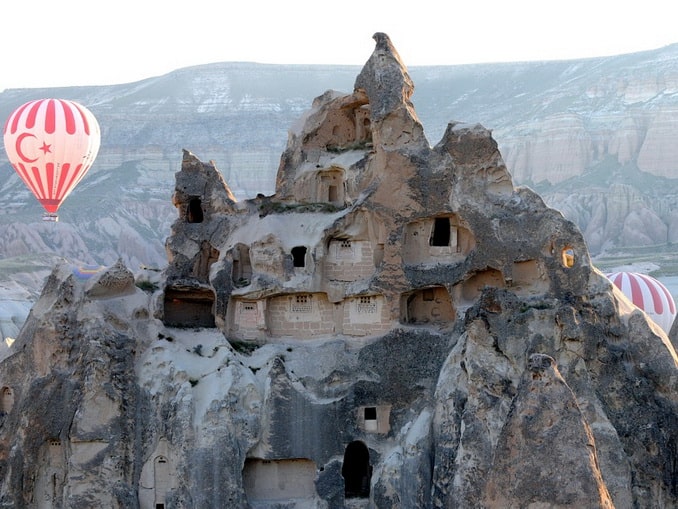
(367, 305)
(248, 308)
(370, 416)
(301, 304)
(299, 256)
(440, 235)
(374, 419)
(342, 249)
(428, 294)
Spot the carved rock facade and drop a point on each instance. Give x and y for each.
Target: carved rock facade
(397, 326)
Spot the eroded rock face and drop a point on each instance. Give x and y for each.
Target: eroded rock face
(397, 325)
(545, 436)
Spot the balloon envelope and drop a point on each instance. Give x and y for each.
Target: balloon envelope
(649, 295)
(86, 271)
(51, 143)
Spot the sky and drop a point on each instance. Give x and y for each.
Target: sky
(55, 43)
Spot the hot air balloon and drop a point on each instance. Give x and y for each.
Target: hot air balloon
(649, 295)
(51, 143)
(85, 271)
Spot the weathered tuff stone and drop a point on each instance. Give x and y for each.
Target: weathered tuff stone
(545, 437)
(397, 326)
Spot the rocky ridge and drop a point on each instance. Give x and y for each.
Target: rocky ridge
(451, 348)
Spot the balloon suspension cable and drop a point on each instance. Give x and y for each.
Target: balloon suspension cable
(50, 216)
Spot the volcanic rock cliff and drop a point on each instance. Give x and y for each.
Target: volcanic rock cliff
(397, 326)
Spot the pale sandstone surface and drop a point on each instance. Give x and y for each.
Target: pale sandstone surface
(397, 326)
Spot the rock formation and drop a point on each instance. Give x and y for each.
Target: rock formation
(592, 136)
(397, 326)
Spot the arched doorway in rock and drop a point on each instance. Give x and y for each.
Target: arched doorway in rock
(356, 470)
(161, 480)
(194, 213)
(6, 400)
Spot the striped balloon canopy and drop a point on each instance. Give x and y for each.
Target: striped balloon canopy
(86, 271)
(51, 144)
(648, 294)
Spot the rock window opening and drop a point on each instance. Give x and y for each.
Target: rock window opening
(370, 415)
(6, 400)
(301, 304)
(194, 212)
(374, 419)
(568, 257)
(299, 256)
(330, 186)
(356, 470)
(440, 236)
(436, 240)
(367, 304)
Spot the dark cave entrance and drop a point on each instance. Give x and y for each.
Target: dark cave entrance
(356, 470)
(194, 212)
(299, 256)
(440, 236)
(192, 307)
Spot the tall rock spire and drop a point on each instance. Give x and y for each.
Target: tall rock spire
(388, 85)
(385, 78)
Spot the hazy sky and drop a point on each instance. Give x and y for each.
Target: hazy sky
(50, 43)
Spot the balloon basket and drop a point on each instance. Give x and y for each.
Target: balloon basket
(50, 216)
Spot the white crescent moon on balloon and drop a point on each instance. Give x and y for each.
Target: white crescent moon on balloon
(19, 140)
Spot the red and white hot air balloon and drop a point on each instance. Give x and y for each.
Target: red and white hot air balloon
(649, 295)
(51, 143)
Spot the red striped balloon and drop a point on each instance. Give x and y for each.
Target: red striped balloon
(51, 143)
(649, 295)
